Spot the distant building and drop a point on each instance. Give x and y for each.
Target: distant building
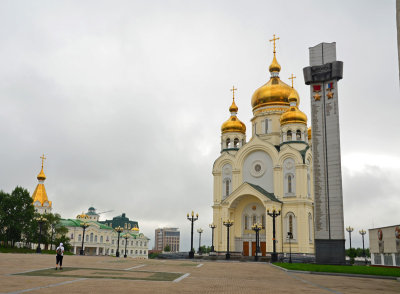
(384, 244)
(102, 239)
(121, 221)
(39, 196)
(167, 236)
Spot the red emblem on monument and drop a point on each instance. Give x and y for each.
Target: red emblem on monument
(317, 88)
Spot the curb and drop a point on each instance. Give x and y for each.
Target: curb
(337, 274)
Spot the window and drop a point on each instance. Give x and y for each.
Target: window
(228, 143)
(289, 180)
(140, 243)
(227, 188)
(131, 243)
(122, 242)
(246, 222)
(145, 243)
(101, 239)
(95, 238)
(91, 237)
(266, 126)
(289, 135)
(131, 251)
(137, 243)
(140, 251)
(291, 224)
(87, 238)
(144, 251)
(79, 237)
(298, 135)
(236, 143)
(72, 236)
(112, 242)
(135, 251)
(254, 219)
(112, 250)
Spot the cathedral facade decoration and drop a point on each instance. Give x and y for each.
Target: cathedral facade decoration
(273, 170)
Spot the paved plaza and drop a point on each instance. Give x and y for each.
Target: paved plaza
(31, 273)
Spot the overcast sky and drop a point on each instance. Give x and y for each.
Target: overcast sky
(126, 100)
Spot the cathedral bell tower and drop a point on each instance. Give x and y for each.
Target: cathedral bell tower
(233, 130)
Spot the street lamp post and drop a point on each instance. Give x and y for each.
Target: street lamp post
(192, 219)
(40, 221)
(256, 228)
(118, 230)
(350, 229)
(362, 232)
(290, 237)
(83, 225)
(126, 237)
(274, 214)
(212, 226)
(228, 223)
(200, 231)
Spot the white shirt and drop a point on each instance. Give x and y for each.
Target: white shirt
(62, 250)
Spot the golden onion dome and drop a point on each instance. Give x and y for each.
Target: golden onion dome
(309, 133)
(274, 92)
(233, 124)
(41, 176)
(275, 66)
(293, 115)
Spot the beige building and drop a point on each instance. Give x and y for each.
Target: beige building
(384, 244)
(101, 239)
(273, 170)
(167, 236)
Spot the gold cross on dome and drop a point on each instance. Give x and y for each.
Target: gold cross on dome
(291, 78)
(43, 158)
(273, 40)
(233, 91)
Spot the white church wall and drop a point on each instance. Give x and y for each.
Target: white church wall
(258, 170)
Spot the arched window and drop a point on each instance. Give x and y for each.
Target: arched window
(95, 238)
(131, 243)
(266, 126)
(246, 222)
(87, 238)
(236, 143)
(228, 143)
(79, 237)
(289, 135)
(291, 224)
(289, 181)
(298, 135)
(112, 242)
(91, 237)
(101, 239)
(141, 243)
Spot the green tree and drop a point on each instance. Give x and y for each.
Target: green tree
(167, 248)
(16, 215)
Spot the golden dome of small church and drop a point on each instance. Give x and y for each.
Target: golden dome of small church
(271, 171)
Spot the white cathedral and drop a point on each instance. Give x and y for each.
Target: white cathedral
(271, 171)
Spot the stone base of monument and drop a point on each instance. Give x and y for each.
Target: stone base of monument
(330, 251)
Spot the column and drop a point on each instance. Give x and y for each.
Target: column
(97, 250)
(74, 249)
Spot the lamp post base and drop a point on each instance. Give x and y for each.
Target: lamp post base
(191, 254)
(227, 256)
(274, 257)
(81, 252)
(125, 256)
(117, 254)
(38, 250)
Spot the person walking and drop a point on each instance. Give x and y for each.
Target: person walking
(60, 255)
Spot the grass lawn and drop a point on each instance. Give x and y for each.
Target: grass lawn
(26, 250)
(355, 269)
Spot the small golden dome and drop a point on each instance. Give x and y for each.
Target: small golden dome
(233, 107)
(274, 67)
(309, 133)
(293, 116)
(233, 124)
(41, 176)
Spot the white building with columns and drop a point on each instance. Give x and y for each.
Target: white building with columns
(271, 171)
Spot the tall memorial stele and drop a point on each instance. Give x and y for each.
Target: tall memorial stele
(323, 75)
